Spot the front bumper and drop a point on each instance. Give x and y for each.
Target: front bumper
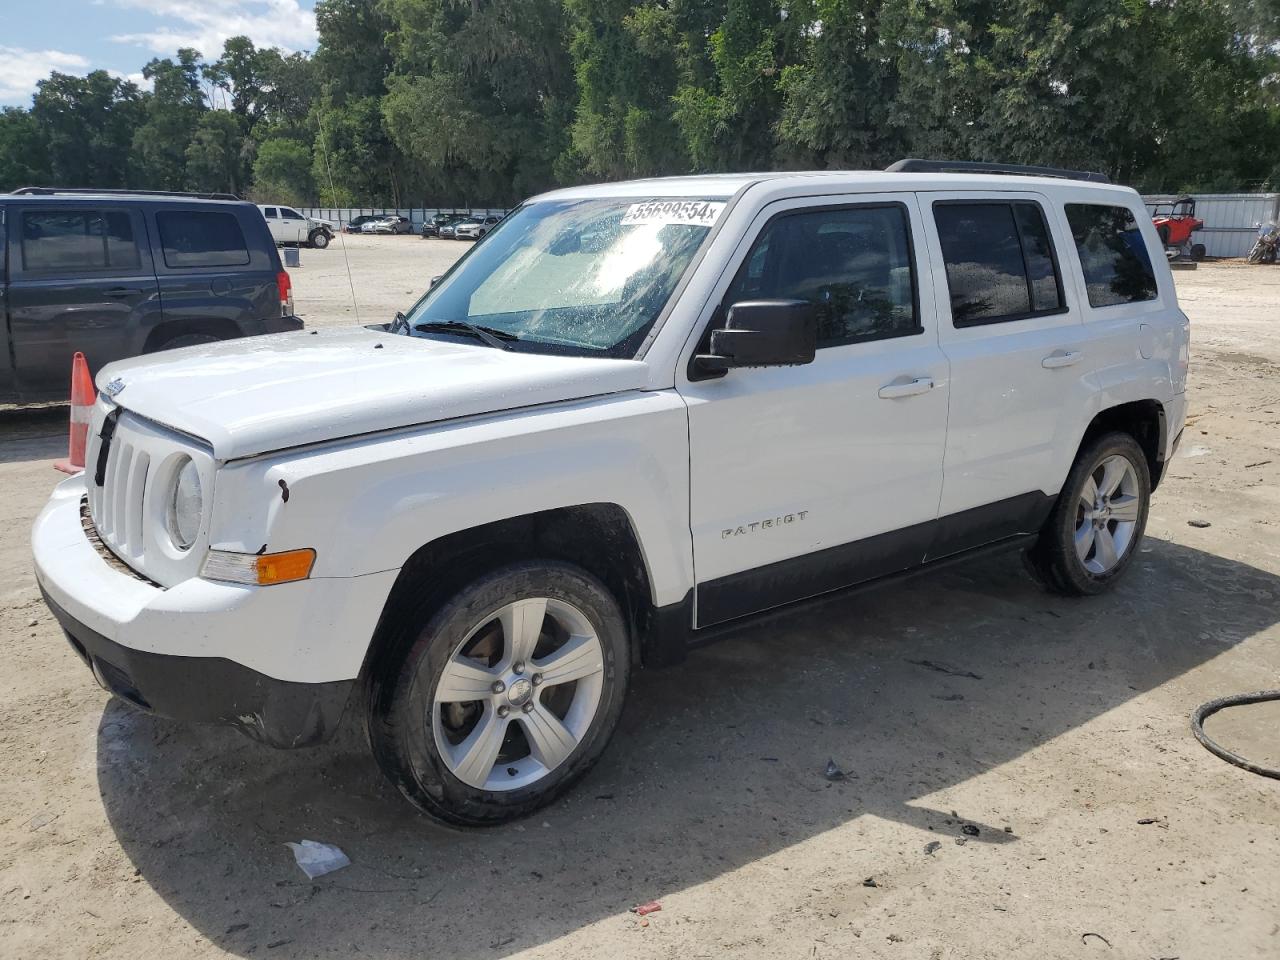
(210, 689)
(278, 662)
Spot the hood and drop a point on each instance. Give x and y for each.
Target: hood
(259, 394)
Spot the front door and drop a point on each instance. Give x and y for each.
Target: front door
(80, 279)
(806, 479)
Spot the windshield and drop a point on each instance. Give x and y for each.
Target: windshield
(584, 277)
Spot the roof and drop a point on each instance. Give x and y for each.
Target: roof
(123, 199)
(725, 185)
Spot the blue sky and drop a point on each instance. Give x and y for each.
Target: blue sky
(76, 36)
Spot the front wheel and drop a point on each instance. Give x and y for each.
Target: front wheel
(505, 696)
(1094, 530)
(319, 239)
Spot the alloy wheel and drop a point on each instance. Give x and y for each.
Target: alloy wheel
(1107, 514)
(518, 694)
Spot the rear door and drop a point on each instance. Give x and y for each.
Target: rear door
(7, 385)
(274, 223)
(217, 273)
(80, 279)
(1020, 370)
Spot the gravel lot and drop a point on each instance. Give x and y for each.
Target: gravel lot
(122, 835)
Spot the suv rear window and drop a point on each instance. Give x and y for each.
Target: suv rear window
(198, 238)
(1113, 255)
(1000, 261)
(75, 241)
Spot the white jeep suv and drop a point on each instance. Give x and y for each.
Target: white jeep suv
(637, 412)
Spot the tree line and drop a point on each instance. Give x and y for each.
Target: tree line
(487, 101)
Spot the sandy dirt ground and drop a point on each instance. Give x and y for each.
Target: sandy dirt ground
(1074, 813)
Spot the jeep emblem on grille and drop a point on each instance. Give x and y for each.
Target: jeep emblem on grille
(114, 387)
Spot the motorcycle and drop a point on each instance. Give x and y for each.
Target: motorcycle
(1267, 246)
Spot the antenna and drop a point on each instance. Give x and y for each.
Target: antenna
(342, 237)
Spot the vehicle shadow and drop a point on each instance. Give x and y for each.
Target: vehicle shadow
(33, 433)
(717, 763)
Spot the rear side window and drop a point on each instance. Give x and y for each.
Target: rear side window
(74, 241)
(197, 238)
(1113, 255)
(1000, 261)
(854, 263)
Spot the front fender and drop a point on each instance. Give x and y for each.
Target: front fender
(367, 504)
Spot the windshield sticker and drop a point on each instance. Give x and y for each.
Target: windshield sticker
(696, 213)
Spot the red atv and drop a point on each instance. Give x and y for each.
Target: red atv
(1175, 222)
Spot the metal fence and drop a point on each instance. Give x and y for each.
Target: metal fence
(341, 216)
(1229, 219)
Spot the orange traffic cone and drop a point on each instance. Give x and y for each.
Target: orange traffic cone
(82, 399)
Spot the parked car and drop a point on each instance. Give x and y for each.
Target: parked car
(114, 274)
(432, 227)
(287, 225)
(356, 224)
(475, 228)
(637, 416)
(391, 224)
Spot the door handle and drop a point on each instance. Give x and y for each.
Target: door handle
(906, 388)
(118, 292)
(1061, 358)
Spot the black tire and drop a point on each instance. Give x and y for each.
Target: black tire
(1163, 232)
(319, 239)
(1197, 251)
(185, 340)
(401, 696)
(1054, 557)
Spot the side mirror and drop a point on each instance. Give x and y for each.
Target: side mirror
(762, 333)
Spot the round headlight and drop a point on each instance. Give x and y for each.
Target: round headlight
(185, 506)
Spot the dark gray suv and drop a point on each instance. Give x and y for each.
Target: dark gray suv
(117, 274)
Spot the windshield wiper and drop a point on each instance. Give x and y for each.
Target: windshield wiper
(490, 336)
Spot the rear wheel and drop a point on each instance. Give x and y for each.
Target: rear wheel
(185, 340)
(1093, 533)
(1197, 251)
(505, 695)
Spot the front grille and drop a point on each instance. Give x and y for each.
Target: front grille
(116, 505)
(91, 534)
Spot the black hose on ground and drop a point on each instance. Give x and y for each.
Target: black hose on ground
(1206, 710)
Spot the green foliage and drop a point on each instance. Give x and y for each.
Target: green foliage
(216, 155)
(486, 101)
(87, 124)
(282, 172)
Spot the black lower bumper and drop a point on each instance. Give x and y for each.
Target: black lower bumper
(210, 689)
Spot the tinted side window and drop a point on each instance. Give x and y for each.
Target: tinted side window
(290, 214)
(854, 263)
(1113, 255)
(1037, 248)
(1000, 261)
(195, 238)
(75, 241)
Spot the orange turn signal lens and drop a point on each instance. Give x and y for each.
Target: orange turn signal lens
(285, 567)
(260, 569)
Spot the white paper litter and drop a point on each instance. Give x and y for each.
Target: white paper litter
(317, 859)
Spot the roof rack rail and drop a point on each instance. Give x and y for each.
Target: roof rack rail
(975, 166)
(92, 191)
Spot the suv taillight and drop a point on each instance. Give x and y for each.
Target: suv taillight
(285, 286)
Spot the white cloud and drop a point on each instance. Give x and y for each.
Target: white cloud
(206, 24)
(20, 69)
